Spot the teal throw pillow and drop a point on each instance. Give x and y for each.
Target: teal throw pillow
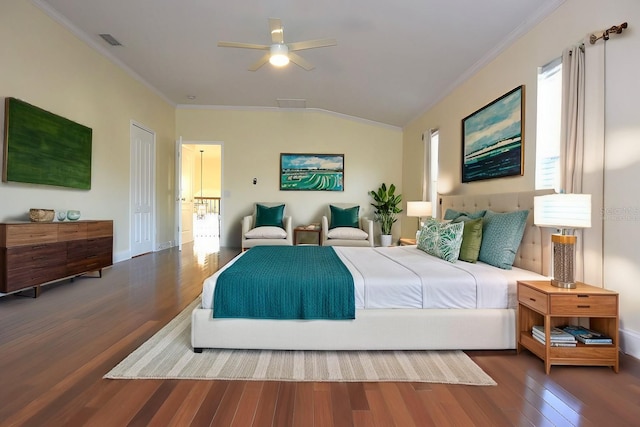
(451, 214)
(501, 237)
(471, 239)
(269, 216)
(441, 239)
(344, 217)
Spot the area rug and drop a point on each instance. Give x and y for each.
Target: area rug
(168, 355)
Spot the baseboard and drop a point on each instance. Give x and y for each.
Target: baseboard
(121, 256)
(630, 342)
(164, 245)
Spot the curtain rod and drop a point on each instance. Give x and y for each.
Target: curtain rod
(616, 29)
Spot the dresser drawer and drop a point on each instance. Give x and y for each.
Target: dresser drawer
(72, 231)
(29, 234)
(99, 229)
(584, 305)
(35, 255)
(103, 245)
(26, 277)
(532, 298)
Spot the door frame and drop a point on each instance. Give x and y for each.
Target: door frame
(178, 195)
(152, 178)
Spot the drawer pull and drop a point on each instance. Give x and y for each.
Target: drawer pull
(532, 299)
(584, 306)
(583, 296)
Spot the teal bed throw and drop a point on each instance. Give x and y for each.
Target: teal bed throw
(286, 282)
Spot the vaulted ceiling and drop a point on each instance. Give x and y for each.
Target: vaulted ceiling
(393, 60)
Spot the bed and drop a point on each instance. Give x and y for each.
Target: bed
(449, 318)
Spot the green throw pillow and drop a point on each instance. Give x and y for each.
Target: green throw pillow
(452, 214)
(344, 217)
(501, 237)
(269, 216)
(441, 239)
(471, 239)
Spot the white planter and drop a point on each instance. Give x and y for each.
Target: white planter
(385, 240)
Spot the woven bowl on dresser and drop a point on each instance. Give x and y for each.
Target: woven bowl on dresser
(41, 215)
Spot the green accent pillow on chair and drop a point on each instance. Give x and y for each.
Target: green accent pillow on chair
(344, 217)
(269, 216)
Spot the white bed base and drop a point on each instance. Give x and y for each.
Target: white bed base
(391, 329)
(375, 329)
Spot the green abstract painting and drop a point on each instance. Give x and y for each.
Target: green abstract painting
(43, 148)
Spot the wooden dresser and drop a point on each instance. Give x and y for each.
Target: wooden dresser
(34, 253)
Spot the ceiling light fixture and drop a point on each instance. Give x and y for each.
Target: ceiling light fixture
(279, 55)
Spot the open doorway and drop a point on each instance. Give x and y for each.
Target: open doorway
(201, 195)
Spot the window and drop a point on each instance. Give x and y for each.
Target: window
(433, 169)
(430, 167)
(548, 125)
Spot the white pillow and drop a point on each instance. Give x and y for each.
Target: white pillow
(347, 233)
(266, 232)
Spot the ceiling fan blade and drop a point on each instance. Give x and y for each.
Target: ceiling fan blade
(277, 32)
(300, 61)
(310, 44)
(260, 62)
(244, 45)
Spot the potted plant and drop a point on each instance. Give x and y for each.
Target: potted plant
(387, 208)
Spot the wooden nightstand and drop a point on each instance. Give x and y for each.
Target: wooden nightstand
(305, 229)
(539, 303)
(405, 241)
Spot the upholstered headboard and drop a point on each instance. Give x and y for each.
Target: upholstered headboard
(534, 252)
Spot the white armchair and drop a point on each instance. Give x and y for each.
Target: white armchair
(348, 228)
(268, 225)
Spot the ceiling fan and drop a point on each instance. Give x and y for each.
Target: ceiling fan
(280, 53)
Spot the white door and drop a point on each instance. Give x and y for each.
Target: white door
(142, 190)
(187, 192)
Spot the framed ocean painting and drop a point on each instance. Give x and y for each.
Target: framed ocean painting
(492, 140)
(312, 172)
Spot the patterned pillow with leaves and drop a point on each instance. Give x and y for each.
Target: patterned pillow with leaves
(441, 239)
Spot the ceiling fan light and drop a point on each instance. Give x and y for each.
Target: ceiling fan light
(279, 55)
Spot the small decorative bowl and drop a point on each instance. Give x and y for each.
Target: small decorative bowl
(73, 215)
(41, 215)
(62, 215)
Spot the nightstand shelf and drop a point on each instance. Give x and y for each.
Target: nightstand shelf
(405, 241)
(539, 303)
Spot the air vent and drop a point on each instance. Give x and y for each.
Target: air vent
(110, 39)
(292, 103)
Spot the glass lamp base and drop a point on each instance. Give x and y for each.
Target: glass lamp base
(563, 261)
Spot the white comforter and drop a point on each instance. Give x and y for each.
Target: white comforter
(406, 277)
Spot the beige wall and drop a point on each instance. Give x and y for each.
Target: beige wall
(44, 64)
(252, 143)
(518, 65)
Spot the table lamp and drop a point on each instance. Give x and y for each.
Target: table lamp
(565, 212)
(419, 209)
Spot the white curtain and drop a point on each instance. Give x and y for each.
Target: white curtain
(582, 147)
(572, 134)
(572, 140)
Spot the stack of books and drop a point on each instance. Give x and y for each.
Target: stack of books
(558, 338)
(587, 336)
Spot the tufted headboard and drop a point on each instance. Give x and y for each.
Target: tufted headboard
(534, 252)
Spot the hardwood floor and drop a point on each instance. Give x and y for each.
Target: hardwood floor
(55, 349)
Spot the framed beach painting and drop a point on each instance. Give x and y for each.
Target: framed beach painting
(312, 172)
(492, 140)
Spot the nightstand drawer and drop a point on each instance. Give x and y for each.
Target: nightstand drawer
(584, 304)
(535, 299)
